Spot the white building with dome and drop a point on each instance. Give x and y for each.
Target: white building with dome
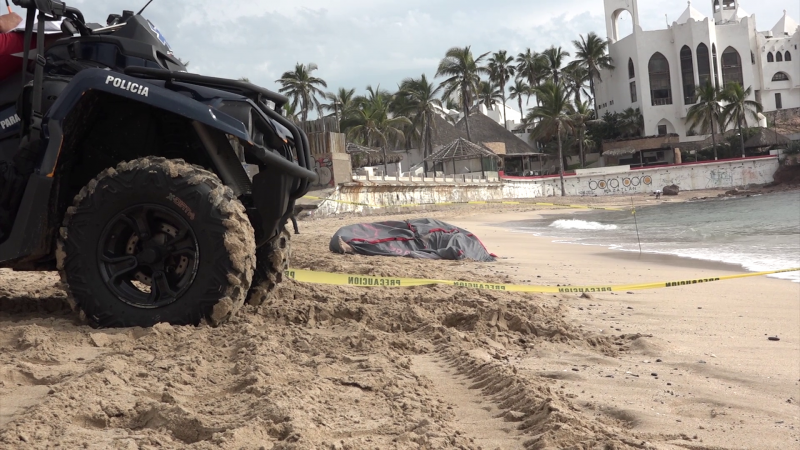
(658, 71)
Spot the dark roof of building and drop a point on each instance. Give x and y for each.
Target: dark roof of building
(484, 129)
(461, 149)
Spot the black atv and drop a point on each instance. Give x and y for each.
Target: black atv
(159, 195)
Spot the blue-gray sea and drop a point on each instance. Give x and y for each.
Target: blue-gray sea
(758, 233)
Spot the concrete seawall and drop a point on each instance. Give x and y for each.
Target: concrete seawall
(351, 197)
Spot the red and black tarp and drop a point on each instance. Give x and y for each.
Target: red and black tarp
(417, 238)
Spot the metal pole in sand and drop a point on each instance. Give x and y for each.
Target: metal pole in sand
(637, 226)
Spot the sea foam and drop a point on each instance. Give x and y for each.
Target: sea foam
(573, 224)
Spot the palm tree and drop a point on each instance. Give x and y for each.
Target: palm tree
(707, 112)
(555, 58)
(372, 123)
(631, 122)
(575, 78)
(302, 87)
(739, 108)
(500, 72)
(488, 93)
(423, 105)
(553, 117)
(463, 73)
(341, 103)
(591, 54)
(517, 90)
(531, 67)
(290, 113)
(581, 113)
(450, 103)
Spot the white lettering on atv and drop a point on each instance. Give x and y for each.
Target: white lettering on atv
(136, 88)
(9, 121)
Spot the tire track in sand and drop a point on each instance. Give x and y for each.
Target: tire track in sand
(475, 416)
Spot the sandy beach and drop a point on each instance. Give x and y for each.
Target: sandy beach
(427, 367)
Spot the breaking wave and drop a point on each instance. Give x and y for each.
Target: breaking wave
(573, 224)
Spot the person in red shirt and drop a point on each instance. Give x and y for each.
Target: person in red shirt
(10, 44)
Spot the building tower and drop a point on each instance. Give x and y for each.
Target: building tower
(724, 10)
(613, 9)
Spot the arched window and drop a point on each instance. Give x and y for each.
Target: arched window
(788, 56)
(752, 58)
(687, 75)
(716, 65)
(731, 67)
(716, 5)
(703, 66)
(660, 87)
(770, 58)
(778, 57)
(780, 76)
(631, 72)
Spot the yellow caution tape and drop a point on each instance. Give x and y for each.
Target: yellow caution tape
(340, 279)
(476, 202)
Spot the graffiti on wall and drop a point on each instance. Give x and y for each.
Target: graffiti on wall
(620, 184)
(718, 178)
(323, 166)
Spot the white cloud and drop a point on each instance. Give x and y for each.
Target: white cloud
(360, 42)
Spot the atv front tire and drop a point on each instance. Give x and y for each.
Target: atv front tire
(156, 240)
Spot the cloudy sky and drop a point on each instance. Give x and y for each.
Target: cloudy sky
(361, 42)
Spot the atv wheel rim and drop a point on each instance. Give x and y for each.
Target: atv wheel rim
(148, 256)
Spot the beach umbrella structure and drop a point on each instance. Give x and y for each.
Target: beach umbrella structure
(462, 150)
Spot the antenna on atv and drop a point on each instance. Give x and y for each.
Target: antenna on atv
(145, 6)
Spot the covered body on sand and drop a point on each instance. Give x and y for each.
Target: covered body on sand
(416, 238)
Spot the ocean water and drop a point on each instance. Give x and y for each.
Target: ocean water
(758, 233)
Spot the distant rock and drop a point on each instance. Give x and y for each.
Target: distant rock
(672, 189)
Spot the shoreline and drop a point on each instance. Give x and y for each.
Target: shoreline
(612, 251)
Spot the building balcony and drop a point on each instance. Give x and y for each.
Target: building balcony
(662, 101)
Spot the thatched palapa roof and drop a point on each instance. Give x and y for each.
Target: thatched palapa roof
(484, 129)
(705, 143)
(445, 132)
(765, 137)
(361, 156)
(461, 149)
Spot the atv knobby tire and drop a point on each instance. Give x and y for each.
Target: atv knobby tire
(168, 222)
(272, 260)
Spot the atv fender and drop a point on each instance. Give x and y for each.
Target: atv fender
(135, 89)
